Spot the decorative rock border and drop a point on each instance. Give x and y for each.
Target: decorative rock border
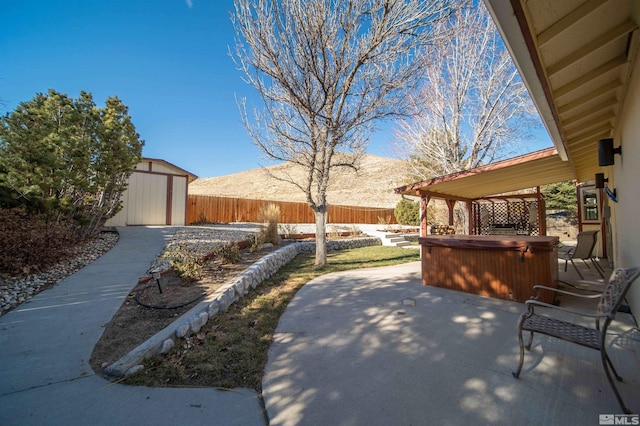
(192, 321)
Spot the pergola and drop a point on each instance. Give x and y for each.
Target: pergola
(485, 184)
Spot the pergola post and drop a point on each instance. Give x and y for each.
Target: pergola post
(450, 204)
(424, 202)
(471, 218)
(542, 214)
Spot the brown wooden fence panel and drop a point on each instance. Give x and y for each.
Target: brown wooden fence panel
(208, 209)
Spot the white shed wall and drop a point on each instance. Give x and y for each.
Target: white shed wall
(179, 200)
(150, 188)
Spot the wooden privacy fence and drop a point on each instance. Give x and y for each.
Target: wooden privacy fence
(208, 209)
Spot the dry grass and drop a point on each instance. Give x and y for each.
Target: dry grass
(231, 350)
(269, 215)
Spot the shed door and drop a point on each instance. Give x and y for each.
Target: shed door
(178, 200)
(147, 199)
(153, 199)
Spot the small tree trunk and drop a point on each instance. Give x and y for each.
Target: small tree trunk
(321, 235)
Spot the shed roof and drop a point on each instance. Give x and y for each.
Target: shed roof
(191, 177)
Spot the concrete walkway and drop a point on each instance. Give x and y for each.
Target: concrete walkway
(363, 347)
(46, 343)
(376, 347)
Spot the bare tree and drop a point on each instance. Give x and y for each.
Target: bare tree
(473, 106)
(326, 71)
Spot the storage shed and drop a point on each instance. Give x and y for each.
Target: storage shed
(156, 195)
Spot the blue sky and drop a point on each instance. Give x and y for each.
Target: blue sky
(167, 60)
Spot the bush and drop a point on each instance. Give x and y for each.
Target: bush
(230, 252)
(186, 261)
(255, 242)
(407, 213)
(269, 215)
(32, 242)
(288, 230)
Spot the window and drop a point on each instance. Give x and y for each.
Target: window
(590, 204)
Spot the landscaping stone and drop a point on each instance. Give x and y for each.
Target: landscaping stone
(214, 308)
(134, 370)
(192, 321)
(182, 330)
(167, 345)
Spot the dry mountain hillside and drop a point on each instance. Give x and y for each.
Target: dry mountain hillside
(371, 186)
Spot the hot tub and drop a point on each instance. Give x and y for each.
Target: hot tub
(500, 266)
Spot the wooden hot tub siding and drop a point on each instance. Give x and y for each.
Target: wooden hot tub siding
(495, 270)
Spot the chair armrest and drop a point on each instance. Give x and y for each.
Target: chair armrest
(568, 293)
(532, 302)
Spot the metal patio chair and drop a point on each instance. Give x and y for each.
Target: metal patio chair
(586, 241)
(594, 338)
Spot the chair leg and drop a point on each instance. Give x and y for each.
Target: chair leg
(516, 373)
(598, 268)
(576, 268)
(605, 363)
(613, 369)
(528, 345)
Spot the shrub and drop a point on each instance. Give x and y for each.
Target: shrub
(201, 220)
(186, 261)
(354, 231)
(255, 242)
(407, 213)
(269, 215)
(333, 233)
(32, 242)
(385, 222)
(230, 252)
(288, 230)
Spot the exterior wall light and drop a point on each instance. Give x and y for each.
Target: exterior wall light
(600, 183)
(600, 180)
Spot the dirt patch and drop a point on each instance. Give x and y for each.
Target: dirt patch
(134, 323)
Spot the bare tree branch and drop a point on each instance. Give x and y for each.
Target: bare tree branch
(327, 71)
(473, 107)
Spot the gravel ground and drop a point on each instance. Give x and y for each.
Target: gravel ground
(204, 239)
(14, 290)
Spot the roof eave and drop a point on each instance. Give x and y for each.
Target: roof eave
(511, 22)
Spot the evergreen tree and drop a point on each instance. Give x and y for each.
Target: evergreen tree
(561, 195)
(67, 158)
(407, 212)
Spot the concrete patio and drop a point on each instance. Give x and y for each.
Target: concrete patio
(363, 347)
(376, 347)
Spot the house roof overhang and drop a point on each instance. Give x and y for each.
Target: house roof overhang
(575, 57)
(526, 171)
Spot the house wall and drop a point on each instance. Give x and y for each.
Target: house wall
(624, 177)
